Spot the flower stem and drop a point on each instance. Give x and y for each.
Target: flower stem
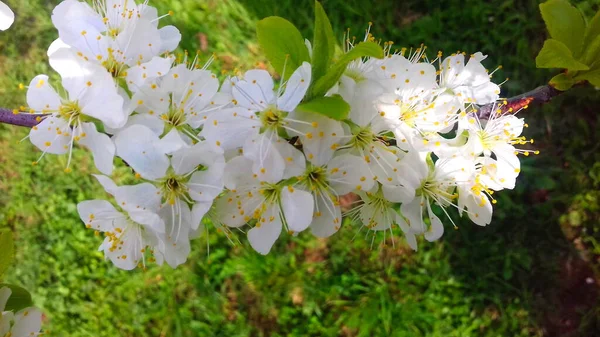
(541, 95)
(21, 119)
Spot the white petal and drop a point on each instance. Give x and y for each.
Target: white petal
(398, 193)
(101, 100)
(255, 92)
(151, 221)
(509, 165)
(238, 174)
(170, 37)
(436, 229)
(327, 218)
(318, 136)
(5, 293)
(153, 122)
(297, 206)
(413, 213)
(296, 88)
(108, 184)
(144, 45)
(41, 96)
(205, 186)
(139, 197)
(173, 142)
(5, 322)
(101, 215)
(267, 162)
(349, 173)
(199, 210)
(101, 146)
(479, 209)
(28, 322)
(7, 17)
(229, 207)
(52, 135)
(175, 245)
(265, 233)
(411, 239)
(175, 254)
(228, 129)
(138, 76)
(138, 147)
(295, 163)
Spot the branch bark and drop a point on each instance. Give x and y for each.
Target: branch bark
(540, 95)
(21, 119)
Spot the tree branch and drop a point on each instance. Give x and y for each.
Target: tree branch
(541, 95)
(21, 119)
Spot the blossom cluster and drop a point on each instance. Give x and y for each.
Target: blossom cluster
(25, 323)
(241, 153)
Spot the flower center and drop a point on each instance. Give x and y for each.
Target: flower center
(363, 139)
(379, 206)
(356, 75)
(115, 68)
(70, 111)
(113, 32)
(271, 193)
(408, 114)
(315, 178)
(272, 118)
(439, 191)
(174, 187)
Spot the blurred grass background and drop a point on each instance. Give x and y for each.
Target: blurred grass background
(533, 272)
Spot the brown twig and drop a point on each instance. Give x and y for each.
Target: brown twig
(20, 119)
(541, 95)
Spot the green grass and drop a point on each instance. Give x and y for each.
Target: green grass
(503, 280)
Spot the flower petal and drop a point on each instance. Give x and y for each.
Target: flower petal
(41, 97)
(266, 232)
(101, 215)
(327, 218)
(52, 135)
(296, 88)
(138, 146)
(7, 17)
(101, 146)
(297, 206)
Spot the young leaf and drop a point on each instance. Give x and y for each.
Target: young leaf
(333, 107)
(592, 76)
(6, 250)
(323, 43)
(565, 24)
(363, 49)
(555, 54)
(283, 44)
(562, 82)
(591, 42)
(18, 300)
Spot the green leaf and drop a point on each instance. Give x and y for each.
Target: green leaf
(323, 43)
(562, 82)
(592, 76)
(363, 49)
(565, 24)
(6, 250)
(333, 107)
(283, 44)
(555, 54)
(18, 300)
(591, 42)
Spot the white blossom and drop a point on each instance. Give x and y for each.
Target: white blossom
(25, 323)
